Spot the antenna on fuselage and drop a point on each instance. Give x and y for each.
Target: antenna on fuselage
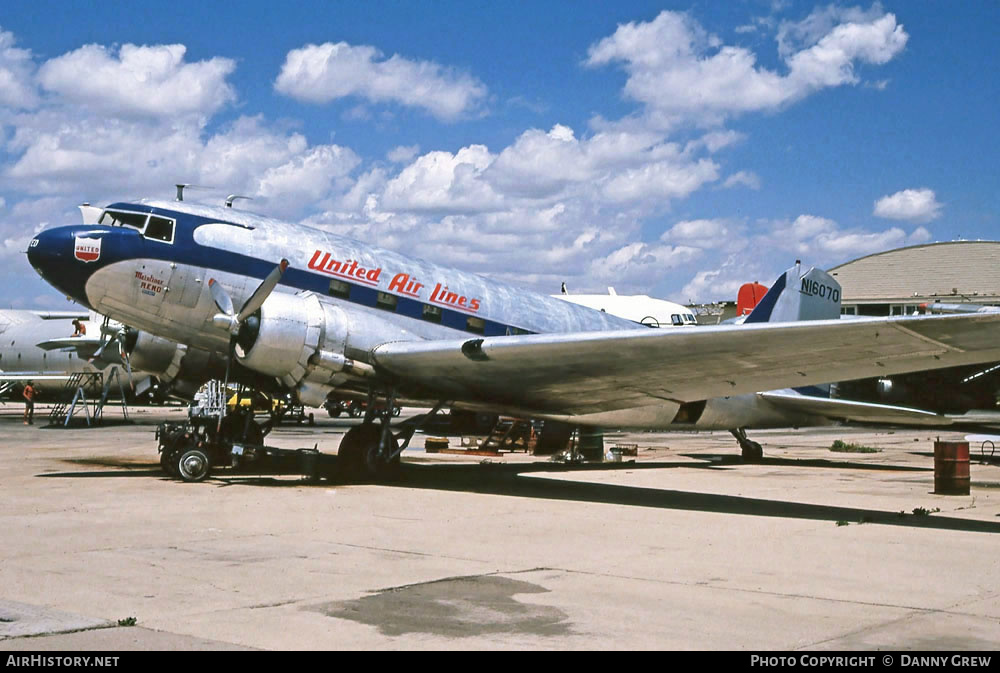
(233, 197)
(182, 187)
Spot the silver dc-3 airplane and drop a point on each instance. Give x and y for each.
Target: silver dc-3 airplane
(323, 315)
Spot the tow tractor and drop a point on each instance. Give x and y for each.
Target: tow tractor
(212, 437)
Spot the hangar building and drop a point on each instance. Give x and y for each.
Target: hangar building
(898, 281)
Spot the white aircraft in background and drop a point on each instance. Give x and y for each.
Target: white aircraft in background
(334, 316)
(639, 308)
(39, 346)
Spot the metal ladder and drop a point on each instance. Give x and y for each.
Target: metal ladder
(63, 411)
(115, 376)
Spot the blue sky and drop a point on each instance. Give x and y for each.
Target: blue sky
(675, 149)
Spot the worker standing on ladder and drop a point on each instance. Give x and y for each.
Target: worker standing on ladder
(29, 403)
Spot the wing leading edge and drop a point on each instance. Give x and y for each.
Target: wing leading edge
(593, 372)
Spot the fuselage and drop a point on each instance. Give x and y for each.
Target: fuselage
(157, 281)
(148, 265)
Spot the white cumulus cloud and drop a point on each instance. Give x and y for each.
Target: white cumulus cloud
(325, 72)
(913, 205)
(682, 73)
(152, 81)
(17, 88)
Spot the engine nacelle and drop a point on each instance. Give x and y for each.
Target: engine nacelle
(300, 341)
(153, 354)
(174, 364)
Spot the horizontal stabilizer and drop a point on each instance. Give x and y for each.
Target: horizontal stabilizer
(857, 412)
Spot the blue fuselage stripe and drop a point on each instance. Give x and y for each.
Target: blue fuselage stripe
(185, 250)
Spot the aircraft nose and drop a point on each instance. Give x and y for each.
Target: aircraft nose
(61, 256)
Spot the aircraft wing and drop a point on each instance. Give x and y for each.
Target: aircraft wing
(84, 346)
(590, 372)
(851, 411)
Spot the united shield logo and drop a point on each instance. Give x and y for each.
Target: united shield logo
(87, 249)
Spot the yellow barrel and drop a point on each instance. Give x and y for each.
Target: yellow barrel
(951, 468)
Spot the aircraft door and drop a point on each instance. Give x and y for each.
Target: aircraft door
(186, 284)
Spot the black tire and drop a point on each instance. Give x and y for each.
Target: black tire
(357, 457)
(752, 452)
(193, 465)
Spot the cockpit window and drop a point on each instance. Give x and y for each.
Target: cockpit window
(161, 229)
(676, 319)
(150, 226)
(119, 219)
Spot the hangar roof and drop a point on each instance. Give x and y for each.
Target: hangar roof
(957, 270)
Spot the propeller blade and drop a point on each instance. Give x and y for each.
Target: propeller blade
(105, 340)
(261, 293)
(225, 381)
(221, 297)
(123, 352)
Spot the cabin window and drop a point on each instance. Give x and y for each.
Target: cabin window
(339, 288)
(477, 325)
(118, 219)
(386, 301)
(431, 313)
(160, 229)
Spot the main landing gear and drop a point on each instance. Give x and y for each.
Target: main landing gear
(370, 451)
(752, 451)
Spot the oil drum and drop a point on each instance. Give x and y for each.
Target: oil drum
(951, 468)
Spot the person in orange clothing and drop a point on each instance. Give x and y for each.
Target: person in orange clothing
(29, 403)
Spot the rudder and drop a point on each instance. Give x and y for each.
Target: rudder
(812, 295)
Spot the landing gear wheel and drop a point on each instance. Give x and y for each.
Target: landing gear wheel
(358, 456)
(752, 451)
(193, 465)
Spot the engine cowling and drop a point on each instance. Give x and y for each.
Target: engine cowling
(300, 341)
(176, 365)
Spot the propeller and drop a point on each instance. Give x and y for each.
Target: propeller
(229, 319)
(232, 321)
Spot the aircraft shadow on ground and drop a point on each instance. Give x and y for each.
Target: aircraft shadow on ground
(527, 480)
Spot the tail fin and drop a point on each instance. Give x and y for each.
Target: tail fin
(812, 295)
(748, 297)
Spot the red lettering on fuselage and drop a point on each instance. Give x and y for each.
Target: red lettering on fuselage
(445, 297)
(350, 269)
(403, 284)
